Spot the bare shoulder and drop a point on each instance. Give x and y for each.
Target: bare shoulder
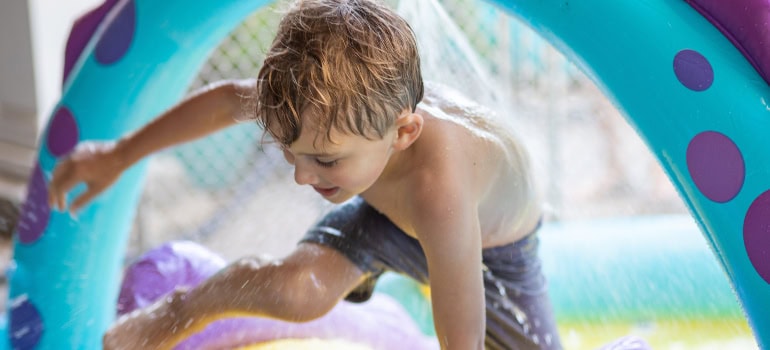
(465, 145)
(475, 151)
(448, 173)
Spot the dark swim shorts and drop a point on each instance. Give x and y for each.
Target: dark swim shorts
(519, 312)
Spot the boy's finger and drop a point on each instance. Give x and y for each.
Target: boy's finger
(52, 200)
(61, 168)
(61, 201)
(55, 200)
(61, 172)
(62, 182)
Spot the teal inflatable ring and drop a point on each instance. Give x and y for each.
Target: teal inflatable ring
(688, 89)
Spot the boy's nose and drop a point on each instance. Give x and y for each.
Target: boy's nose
(303, 175)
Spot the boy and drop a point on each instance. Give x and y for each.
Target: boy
(430, 185)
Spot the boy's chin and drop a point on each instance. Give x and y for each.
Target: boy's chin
(339, 197)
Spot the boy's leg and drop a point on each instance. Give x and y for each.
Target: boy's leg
(519, 311)
(303, 286)
(526, 324)
(519, 314)
(371, 242)
(185, 265)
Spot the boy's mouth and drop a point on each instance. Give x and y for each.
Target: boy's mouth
(326, 192)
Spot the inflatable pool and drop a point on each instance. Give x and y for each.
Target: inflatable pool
(691, 77)
(606, 276)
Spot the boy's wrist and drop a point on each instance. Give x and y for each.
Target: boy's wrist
(123, 155)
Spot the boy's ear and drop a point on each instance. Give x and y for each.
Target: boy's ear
(408, 129)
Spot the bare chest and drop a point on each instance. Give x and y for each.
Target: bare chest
(392, 202)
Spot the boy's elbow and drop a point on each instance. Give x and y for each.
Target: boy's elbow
(233, 98)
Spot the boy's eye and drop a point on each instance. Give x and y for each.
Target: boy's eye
(325, 164)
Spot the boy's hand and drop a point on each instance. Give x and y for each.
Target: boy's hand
(97, 164)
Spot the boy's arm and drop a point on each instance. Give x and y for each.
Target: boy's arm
(301, 287)
(209, 109)
(446, 223)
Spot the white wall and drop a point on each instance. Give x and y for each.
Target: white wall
(34, 34)
(17, 81)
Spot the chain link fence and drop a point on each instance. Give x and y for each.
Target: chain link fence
(238, 197)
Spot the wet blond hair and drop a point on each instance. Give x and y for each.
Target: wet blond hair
(354, 62)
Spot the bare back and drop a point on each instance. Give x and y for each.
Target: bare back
(470, 137)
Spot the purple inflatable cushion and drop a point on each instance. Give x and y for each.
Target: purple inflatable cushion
(381, 323)
(746, 23)
(163, 269)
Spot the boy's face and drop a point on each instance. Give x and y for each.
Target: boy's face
(340, 168)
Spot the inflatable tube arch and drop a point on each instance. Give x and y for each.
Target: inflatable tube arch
(685, 77)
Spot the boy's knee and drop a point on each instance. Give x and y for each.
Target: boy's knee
(295, 290)
(305, 293)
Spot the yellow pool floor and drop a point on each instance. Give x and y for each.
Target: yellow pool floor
(666, 335)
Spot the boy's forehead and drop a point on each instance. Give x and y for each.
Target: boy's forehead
(317, 140)
(317, 132)
(318, 127)
(319, 149)
(311, 118)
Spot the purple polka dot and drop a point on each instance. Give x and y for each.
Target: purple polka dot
(716, 166)
(82, 31)
(756, 235)
(26, 325)
(62, 132)
(693, 70)
(117, 38)
(35, 211)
